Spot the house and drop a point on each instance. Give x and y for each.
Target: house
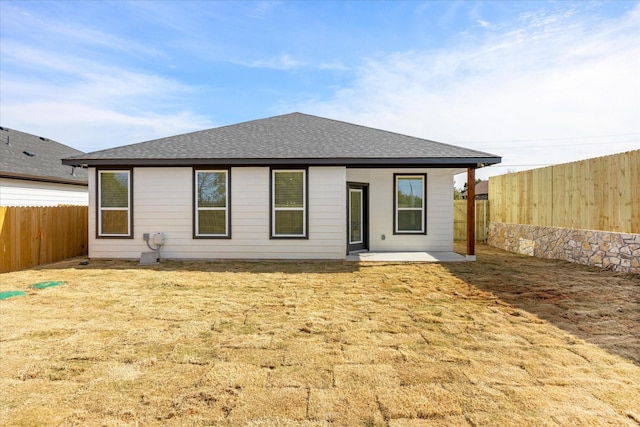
(294, 186)
(32, 173)
(482, 191)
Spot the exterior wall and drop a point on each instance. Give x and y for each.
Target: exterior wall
(20, 192)
(611, 250)
(163, 202)
(439, 235)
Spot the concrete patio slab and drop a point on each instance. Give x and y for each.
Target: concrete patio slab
(408, 257)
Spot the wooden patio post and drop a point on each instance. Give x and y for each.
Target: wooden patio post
(471, 212)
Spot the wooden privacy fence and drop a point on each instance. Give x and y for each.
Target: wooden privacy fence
(30, 236)
(602, 193)
(460, 220)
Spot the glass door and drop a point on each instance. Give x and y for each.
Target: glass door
(356, 233)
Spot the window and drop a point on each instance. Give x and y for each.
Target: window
(289, 203)
(211, 203)
(114, 203)
(409, 200)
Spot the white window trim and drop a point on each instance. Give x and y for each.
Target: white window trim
(303, 208)
(421, 209)
(101, 209)
(198, 208)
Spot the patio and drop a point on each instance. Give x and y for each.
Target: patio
(407, 257)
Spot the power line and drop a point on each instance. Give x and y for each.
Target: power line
(549, 139)
(513, 166)
(562, 145)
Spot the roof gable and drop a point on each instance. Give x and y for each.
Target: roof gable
(294, 138)
(27, 156)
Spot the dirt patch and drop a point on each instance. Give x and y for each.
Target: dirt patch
(317, 344)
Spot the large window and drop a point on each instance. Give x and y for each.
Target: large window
(289, 203)
(409, 200)
(211, 203)
(114, 203)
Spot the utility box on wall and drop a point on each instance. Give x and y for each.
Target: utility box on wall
(158, 239)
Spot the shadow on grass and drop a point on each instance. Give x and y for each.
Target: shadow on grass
(213, 266)
(596, 305)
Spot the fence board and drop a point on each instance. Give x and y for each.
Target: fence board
(460, 220)
(595, 194)
(31, 236)
(634, 189)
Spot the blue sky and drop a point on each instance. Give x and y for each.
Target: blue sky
(535, 82)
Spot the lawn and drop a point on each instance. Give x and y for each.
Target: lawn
(507, 340)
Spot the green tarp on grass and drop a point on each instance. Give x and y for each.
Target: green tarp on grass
(9, 294)
(43, 285)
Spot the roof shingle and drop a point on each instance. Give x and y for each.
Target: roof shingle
(27, 156)
(294, 138)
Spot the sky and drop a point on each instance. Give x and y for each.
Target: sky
(537, 83)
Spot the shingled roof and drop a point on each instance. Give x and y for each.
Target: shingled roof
(295, 139)
(35, 158)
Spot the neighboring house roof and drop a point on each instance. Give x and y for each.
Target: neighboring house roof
(482, 187)
(290, 139)
(34, 158)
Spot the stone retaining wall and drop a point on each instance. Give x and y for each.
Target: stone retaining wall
(610, 250)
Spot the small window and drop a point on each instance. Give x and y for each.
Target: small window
(409, 200)
(289, 203)
(114, 203)
(211, 203)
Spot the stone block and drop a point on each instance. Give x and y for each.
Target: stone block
(526, 247)
(595, 260)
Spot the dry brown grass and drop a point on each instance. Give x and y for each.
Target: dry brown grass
(508, 340)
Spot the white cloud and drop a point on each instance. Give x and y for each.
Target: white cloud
(52, 29)
(555, 77)
(74, 97)
(262, 8)
(282, 62)
(75, 84)
(286, 62)
(71, 122)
